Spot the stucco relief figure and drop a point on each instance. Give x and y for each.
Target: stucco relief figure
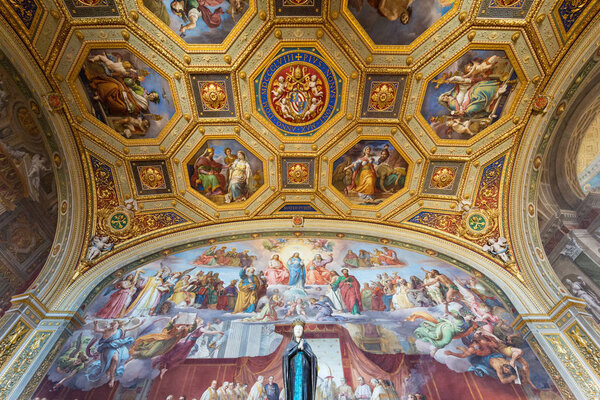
(581, 290)
(299, 366)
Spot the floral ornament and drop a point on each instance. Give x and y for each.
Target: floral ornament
(213, 96)
(443, 177)
(383, 96)
(298, 173)
(152, 178)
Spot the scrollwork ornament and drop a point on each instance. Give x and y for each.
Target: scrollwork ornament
(23, 361)
(586, 347)
(12, 340)
(573, 366)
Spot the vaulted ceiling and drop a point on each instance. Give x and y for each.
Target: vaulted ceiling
(153, 93)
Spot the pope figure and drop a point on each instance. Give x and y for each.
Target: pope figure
(299, 366)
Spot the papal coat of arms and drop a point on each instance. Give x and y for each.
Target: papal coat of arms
(298, 92)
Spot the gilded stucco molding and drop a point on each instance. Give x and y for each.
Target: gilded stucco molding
(526, 174)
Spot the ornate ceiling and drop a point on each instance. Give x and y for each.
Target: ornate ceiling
(164, 99)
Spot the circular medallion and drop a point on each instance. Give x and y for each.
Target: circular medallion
(298, 92)
(477, 222)
(383, 96)
(118, 221)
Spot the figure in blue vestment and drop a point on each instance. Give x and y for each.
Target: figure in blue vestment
(297, 271)
(299, 366)
(113, 347)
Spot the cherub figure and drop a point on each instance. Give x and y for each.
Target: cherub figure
(277, 93)
(313, 85)
(313, 107)
(99, 244)
(130, 126)
(480, 67)
(118, 68)
(498, 247)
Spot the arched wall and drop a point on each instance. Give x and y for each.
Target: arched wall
(576, 74)
(533, 151)
(87, 288)
(70, 181)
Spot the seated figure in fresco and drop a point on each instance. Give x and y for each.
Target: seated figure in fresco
(316, 273)
(389, 257)
(208, 257)
(276, 272)
(207, 177)
(121, 94)
(351, 259)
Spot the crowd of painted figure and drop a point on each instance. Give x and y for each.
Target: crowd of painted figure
(469, 311)
(327, 389)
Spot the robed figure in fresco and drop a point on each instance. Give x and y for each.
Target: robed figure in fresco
(299, 366)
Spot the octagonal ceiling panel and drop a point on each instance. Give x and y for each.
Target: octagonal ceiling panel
(122, 91)
(225, 171)
(396, 23)
(298, 91)
(470, 94)
(198, 22)
(370, 171)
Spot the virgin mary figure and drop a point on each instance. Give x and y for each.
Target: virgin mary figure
(299, 366)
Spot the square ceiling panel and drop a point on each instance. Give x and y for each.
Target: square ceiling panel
(151, 177)
(298, 173)
(214, 95)
(298, 8)
(504, 8)
(92, 8)
(382, 96)
(443, 178)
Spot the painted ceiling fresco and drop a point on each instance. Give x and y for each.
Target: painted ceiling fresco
(28, 198)
(414, 322)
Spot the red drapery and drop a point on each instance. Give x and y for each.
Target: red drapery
(191, 378)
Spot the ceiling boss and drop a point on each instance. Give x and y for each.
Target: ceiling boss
(298, 92)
